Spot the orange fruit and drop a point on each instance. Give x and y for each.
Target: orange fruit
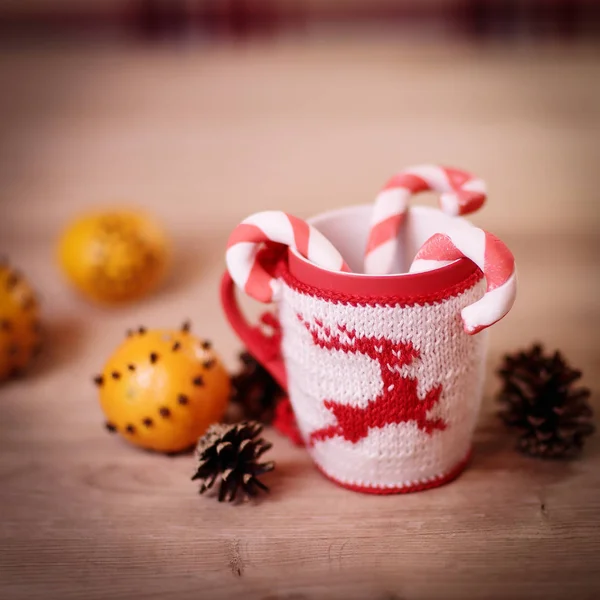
(161, 389)
(19, 323)
(114, 256)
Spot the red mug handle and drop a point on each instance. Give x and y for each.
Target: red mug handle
(265, 349)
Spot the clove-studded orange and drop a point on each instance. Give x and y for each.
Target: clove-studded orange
(161, 389)
(19, 323)
(114, 257)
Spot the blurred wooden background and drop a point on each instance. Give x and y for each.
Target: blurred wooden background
(201, 136)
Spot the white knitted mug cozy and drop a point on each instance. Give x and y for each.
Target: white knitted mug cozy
(384, 382)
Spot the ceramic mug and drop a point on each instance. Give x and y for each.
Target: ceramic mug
(384, 382)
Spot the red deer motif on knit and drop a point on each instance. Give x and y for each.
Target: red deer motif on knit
(398, 401)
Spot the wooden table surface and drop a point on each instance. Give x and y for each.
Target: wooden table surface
(202, 136)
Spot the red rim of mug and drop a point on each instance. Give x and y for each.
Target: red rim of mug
(441, 283)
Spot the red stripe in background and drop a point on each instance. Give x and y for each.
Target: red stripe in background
(499, 262)
(246, 233)
(406, 180)
(384, 231)
(156, 18)
(301, 234)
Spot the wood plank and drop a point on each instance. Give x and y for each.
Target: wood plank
(202, 139)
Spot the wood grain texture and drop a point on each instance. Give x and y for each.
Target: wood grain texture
(202, 137)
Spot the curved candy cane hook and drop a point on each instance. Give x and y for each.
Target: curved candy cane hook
(490, 255)
(461, 193)
(274, 226)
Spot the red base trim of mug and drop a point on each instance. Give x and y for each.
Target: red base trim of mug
(405, 489)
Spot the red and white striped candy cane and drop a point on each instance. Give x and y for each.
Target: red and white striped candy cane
(461, 193)
(274, 226)
(490, 255)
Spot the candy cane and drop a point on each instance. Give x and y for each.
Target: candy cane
(461, 193)
(490, 255)
(274, 226)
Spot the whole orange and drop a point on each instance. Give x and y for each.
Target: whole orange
(114, 256)
(161, 389)
(19, 323)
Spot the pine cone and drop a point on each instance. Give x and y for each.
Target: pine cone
(552, 416)
(255, 390)
(230, 454)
